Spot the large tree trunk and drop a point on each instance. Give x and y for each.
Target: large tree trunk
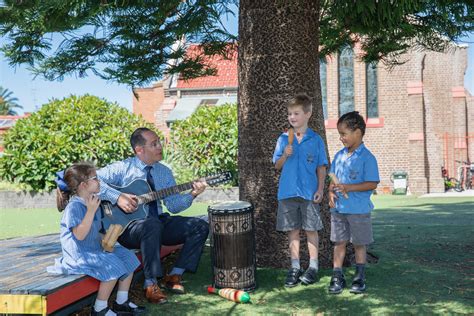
(278, 57)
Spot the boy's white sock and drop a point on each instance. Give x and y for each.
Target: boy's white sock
(295, 263)
(313, 263)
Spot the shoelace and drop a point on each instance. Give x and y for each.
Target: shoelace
(155, 289)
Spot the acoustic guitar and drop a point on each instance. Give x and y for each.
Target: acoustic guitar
(112, 214)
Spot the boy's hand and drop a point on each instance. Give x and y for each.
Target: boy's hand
(288, 150)
(332, 199)
(92, 203)
(340, 188)
(318, 196)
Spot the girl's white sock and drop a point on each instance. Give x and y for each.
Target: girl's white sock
(122, 297)
(100, 305)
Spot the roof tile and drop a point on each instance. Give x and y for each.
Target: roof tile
(226, 72)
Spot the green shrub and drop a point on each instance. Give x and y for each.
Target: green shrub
(63, 132)
(205, 143)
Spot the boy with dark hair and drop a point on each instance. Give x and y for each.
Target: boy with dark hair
(356, 169)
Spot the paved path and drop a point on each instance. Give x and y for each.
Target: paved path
(467, 193)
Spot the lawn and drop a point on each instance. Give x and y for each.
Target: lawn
(33, 222)
(425, 266)
(425, 249)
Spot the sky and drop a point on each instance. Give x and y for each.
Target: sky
(33, 92)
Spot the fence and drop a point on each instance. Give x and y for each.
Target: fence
(457, 149)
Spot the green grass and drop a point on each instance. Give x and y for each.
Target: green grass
(425, 267)
(28, 222)
(34, 222)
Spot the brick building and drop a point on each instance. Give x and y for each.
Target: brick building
(174, 98)
(419, 115)
(6, 122)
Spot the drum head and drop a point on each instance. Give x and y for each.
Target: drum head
(230, 206)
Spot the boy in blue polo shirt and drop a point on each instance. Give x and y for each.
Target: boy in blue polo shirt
(301, 188)
(356, 169)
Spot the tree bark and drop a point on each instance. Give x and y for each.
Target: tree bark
(278, 57)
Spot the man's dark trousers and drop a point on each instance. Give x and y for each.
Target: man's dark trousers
(149, 234)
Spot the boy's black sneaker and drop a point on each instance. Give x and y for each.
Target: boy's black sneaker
(358, 286)
(337, 284)
(125, 309)
(309, 276)
(293, 277)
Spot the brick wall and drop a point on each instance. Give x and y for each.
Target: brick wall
(416, 107)
(149, 101)
(419, 102)
(470, 128)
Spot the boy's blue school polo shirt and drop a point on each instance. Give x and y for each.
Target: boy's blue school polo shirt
(298, 177)
(359, 167)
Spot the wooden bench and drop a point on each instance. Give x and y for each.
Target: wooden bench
(26, 287)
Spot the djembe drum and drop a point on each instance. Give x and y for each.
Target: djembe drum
(232, 245)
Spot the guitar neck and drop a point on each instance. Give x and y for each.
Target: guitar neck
(161, 194)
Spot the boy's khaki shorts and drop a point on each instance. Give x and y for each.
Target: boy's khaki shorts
(298, 213)
(356, 228)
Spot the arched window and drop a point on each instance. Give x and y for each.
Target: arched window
(346, 80)
(372, 90)
(324, 92)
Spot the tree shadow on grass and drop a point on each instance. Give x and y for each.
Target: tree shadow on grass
(425, 255)
(427, 214)
(425, 267)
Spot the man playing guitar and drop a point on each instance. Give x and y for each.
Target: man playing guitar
(158, 228)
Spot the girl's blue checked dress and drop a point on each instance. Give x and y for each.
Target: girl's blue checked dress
(87, 256)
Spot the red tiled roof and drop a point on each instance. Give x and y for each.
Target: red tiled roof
(7, 121)
(226, 72)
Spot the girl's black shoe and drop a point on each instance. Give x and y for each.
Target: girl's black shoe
(101, 313)
(125, 309)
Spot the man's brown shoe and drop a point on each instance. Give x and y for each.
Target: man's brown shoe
(154, 294)
(173, 283)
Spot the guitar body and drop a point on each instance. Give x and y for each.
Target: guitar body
(113, 214)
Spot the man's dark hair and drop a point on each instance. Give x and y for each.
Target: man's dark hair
(137, 138)
(353, 121)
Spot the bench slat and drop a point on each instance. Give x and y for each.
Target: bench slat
(23, 273)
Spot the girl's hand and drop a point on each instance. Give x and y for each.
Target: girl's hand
(332, 199)
(81, 230)
(318, 197)
(288, 150)
(93, 203)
